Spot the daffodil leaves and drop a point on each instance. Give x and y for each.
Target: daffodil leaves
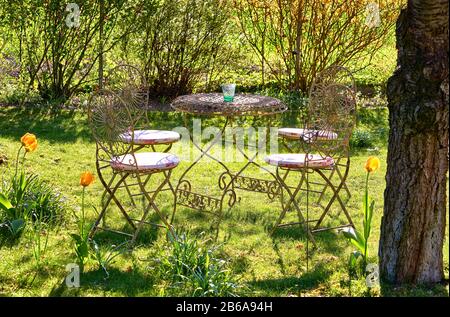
(5, 204)
(355, 238)
(81, 246)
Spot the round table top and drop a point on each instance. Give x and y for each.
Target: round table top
(243, 104)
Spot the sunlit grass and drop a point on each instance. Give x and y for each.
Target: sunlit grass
(268, 265)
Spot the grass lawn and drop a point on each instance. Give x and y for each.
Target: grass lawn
(267, 266)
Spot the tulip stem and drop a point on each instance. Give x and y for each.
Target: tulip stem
(82, 213)
(366, 209)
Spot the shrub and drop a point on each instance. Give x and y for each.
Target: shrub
(296, 39)
(181, 43)
(362, 139)
(55, 57)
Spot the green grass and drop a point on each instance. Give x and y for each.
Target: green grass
(267, 266)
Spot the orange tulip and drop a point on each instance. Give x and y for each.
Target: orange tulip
(86, 179)
(372, 164)
(29, 142)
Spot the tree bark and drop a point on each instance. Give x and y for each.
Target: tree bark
(414, 219)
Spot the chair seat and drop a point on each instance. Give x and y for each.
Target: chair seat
(307, 134)
(145, 161)
(299, 160)
(150, 137)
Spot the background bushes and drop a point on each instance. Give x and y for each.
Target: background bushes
(183, 45)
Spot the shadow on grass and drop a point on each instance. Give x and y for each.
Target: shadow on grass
(328, 241)
(52, 125)
(121, 283)
(438, 290)
(68, 125)
(147, 235)
(63, 125)
(307, 281)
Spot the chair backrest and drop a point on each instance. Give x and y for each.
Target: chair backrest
(128, 82)
(110, 117)
(334, 74)
(332, 112)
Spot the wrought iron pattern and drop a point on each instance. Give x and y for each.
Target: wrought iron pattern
(213, 104)
(270, 187)
(198, 201)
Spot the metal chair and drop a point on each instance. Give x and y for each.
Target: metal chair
(112, 118)
(128, 82)
(330, 76)
(324, 143)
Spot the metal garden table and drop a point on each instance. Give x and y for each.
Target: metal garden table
(211, 105)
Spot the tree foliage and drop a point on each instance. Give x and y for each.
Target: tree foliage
(56, 58)
(181, 45)
(296, 39)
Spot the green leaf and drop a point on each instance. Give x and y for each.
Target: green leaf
(83, 250)
(16, 226)
(22, 182)
(368, 224)
(86, 231)
(5, 204)
(371, 208)
(76, 238)
(353, 259)
(355, 238)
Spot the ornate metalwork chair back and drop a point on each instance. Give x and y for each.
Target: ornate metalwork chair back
(334, 74)
(129, 83)
(110, 117)
(324, 142)
(332, 117)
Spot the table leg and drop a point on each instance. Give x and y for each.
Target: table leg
(237, 181)
(186, 197)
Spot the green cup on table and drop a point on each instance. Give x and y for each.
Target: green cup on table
(228, 92)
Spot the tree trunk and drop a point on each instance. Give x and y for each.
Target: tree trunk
(414, 219)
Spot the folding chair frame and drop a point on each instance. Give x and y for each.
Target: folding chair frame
(334, 75)
(106, 130)
(337, 147)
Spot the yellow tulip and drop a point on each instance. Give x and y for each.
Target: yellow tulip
(29, 142)
(86, 179)
(372, 164)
